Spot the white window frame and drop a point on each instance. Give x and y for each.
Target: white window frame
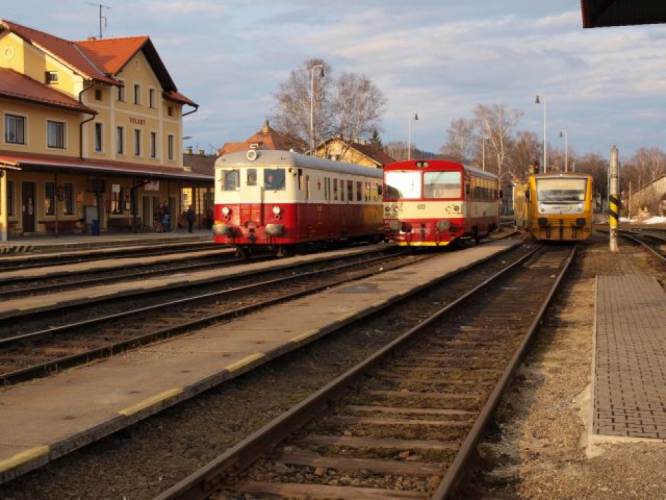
(120, 96)
(120, 140)
(153, 145)
(137, 142)
(171, 142)
(152, 98)
(137, 94)
(49, 137)
(24, 129)
(99, 137)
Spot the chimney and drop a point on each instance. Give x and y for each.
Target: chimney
(201, 152)
(189, 151)
(264, 129)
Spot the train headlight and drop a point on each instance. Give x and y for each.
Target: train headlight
(277, 210)
(456, 208)
(226, 210)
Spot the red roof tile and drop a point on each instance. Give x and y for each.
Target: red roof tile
(112, 54)
(14, 85)
(63, 50)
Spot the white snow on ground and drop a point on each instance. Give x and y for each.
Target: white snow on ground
(655, 220)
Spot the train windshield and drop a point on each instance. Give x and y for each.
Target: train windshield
(230, 180)
(441, 185)
(561, 190)
(274, 179)
(402, 185)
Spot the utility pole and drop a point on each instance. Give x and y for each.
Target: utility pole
(102, 17)
(614, 198)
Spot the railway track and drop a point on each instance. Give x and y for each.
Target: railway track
(654, 243)
(75, 257)
(403, 423)
(18, 284)
(32, 353)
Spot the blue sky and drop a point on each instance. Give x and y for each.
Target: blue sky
(439, 58)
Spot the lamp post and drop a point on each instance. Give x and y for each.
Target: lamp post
(563, 133)
(321, 75)
(409, 134)
(545, 140)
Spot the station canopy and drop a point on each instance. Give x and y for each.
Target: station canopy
(609, 13)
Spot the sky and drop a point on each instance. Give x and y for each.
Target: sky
(438, 58)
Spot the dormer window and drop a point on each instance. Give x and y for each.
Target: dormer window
(51, 77)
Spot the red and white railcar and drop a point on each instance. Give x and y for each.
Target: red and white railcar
(282, 200)
(435, 202)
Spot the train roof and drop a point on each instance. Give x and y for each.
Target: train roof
(574, 175)
(273, 158)
(413, 165)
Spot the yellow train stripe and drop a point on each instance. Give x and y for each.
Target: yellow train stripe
(24, 456)
(150, 401)
(245, 361)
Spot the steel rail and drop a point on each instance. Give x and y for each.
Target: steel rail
(457, 469)
(118, 347)
(632, 236)
(202, 483)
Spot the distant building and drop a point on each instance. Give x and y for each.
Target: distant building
(199, 195)
(649, 201)
(266, 138)
(90, 131)
(359, 153)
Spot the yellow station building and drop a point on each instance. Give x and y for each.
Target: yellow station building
(91, 136)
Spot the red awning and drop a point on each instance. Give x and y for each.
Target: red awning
(51, 163)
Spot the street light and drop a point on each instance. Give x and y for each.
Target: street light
(545, 141)
(563, 133)
(321, 75)
(409, 134)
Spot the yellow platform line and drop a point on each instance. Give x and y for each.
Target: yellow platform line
(305, 335)
(245, 361)
(24, 456)
(150, 401)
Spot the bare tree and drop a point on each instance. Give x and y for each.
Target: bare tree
(523, 152)
(396, 150)
(350, 106)
(460, 142)
(496, 122)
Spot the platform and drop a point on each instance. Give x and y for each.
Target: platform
(630, 360)
(47, 418)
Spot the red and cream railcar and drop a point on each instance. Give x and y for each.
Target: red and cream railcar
(435, 202)
(282, 200)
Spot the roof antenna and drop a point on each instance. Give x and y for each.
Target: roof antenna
(101, 16)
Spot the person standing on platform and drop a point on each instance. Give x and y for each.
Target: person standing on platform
(166, 226)
(191, 217)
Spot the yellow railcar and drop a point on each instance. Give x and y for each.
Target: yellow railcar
(556, 206)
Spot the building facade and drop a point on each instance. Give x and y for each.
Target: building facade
(91, 134)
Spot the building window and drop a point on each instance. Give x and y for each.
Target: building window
(121, 92)
(51, 77)
(55, 132)
(10, 198)
(170, 144)
(137, 93)
(120, 140)
(67, 194)
(98, 94)
(153, 144)
(49, 198)
(117, 196)
(14, 129)
(151, 97)
(137, 142)
(98, 137)
(170, 110)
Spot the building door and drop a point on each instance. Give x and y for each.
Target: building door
(28, 207)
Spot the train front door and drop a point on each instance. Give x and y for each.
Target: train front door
(28, 207)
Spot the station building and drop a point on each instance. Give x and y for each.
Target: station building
(91, 135)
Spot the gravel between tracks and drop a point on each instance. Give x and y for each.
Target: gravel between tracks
(538, 448)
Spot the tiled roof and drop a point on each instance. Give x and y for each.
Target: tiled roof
(112, 54)
(372, 152)
(266, 138)
(14, 85)
(63, 50)
(199, 163)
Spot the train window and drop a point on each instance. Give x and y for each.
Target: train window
(441, 184)
(350, 190)
(359, 191)
(251, 178)
(405, 185)
(335, 189)
(300, 179)
(307, 187)
(230, 180)
(274, 179)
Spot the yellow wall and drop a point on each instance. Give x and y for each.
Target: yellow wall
(339, 151)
